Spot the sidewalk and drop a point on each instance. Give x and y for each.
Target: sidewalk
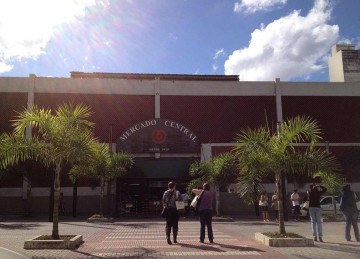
(146, 239)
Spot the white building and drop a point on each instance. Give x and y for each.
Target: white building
(344, 64)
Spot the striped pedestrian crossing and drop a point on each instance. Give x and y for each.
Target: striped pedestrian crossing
(129, 241)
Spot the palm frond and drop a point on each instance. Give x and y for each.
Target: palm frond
(310, 162)
(301, 129)
(17, 148)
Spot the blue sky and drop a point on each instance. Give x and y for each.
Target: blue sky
(259, 40)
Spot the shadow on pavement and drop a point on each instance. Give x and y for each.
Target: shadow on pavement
(134, 225)
(83, 225)
(204, 247)
(216, 247)
(87, 254)
(18, 226)
(303, 257)
(261, 223)
(340, 247)
(355, 244)
(240, 248)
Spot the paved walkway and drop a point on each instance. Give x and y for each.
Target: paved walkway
(145, 239)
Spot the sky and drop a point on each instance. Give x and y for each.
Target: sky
(259, 40)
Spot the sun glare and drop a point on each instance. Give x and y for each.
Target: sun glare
(26, 26)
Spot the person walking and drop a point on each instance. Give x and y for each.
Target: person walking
(264, 205)
(295, 199)
(205, 212)
(350, 212)
(186, 200)
(313, 196)
(61, 204)
(172, 216)
(275, 205)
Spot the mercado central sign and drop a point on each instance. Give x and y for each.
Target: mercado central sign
(158, 136)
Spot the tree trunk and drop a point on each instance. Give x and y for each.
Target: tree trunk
(55, 230)
(217, 199)
(102, 187)
(334, 204)
(109, 197)
(26, 192)
(74, 209)
(280, 204)
(51, 203)
(256, 201)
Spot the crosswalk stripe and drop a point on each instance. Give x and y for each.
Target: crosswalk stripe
(154, 237)
(165, 254)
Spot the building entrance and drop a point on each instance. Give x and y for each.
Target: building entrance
(140, 193)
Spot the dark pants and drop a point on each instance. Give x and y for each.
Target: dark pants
(297, 212)
(172, 220)
(277, 214)
(206, 220)
(351, 219)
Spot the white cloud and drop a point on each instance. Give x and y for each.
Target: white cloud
(291, 46)
(252, 6)
(215, 67)
(27, 26)
(219, 53)
(5, 67)
(173, 37)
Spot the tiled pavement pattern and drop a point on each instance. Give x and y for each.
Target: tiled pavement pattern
(146, 239)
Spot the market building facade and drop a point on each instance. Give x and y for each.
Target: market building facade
(167, 122)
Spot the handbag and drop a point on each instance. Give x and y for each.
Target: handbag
(305, 205)
(357, 202)
(180, 206)
(195, 203)
(163, 213)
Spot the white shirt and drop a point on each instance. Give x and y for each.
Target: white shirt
(295, 199)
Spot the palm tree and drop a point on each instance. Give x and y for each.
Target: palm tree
(57, 138)
(220, 171)
(334, 184)
(264, 153)
(104, 166)
(249, 189)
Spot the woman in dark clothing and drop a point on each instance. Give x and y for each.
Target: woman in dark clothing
(350, 212)
(313, 196)
(172, 215)
(205, 212)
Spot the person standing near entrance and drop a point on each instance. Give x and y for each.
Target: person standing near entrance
(205, 212)
(313, 196)
(349, 210)
(275, 205)
(295, 199)
(264, 205)
(172, 216)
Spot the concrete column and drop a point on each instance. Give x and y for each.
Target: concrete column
(157, 105)
(30, 101)
(279, 114)
(206, 153)
(157, 97)
(26, 188)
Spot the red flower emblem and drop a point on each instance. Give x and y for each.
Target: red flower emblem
(159, 136)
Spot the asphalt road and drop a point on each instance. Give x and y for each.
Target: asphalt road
(8, 254)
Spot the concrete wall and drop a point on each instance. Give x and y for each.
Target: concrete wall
(336, 68)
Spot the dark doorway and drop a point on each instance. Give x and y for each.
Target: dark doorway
(141, 192)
